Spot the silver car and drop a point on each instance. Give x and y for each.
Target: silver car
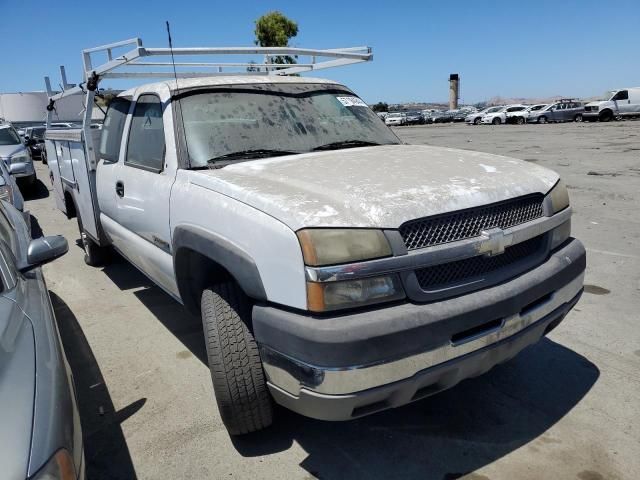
(562, 111)
(16, 156)
(9, 190)
(40, 435)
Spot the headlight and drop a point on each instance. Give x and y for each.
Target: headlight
(21, 157)
(559, 197)
(323, 297)
(331, 246)
(59, 467)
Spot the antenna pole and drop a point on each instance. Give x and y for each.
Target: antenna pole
(175, 76)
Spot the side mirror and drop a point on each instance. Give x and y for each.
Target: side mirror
(44, 250)
(17, 168)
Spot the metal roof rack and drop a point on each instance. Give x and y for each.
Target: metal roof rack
(132, 65)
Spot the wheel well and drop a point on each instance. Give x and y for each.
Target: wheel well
(70, 205)
(195, 272)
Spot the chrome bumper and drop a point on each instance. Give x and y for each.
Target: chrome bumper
(352, 379)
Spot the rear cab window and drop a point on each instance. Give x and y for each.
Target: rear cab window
(146, 145)
(112, 129)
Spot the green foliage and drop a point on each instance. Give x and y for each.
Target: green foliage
(274, 30)
(380, 107)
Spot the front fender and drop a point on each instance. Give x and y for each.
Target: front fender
(232, 258)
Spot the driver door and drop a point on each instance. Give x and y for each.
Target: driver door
(622, 102)
(142, 187)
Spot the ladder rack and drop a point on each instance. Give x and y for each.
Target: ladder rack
(132, 63)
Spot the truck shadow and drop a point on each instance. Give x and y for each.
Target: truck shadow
(442, 437)
(185, 327)
(105, 449)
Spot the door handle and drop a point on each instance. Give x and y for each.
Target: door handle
(120, 188)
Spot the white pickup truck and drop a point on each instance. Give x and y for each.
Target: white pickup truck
(337, 271)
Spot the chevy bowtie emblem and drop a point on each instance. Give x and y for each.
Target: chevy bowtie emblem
(495, 243)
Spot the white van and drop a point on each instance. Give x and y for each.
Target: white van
(621, 103)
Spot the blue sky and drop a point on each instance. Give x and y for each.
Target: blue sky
(509, 48)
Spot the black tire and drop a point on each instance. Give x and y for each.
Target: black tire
(239, 383)
(542, 119)
(578, 118)
(520, 120)
(477, 121)
(94, 254)
(606, 116)
(496, 121)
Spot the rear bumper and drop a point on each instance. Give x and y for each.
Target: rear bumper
(344, 367)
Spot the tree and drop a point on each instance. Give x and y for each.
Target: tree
(380, 107)
(274, 30)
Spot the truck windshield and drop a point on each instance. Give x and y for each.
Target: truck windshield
(287, 119)
(8, 136)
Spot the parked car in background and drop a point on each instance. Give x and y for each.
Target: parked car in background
(620, 104)
(16, 156)
(568, 110)
(475, 117)
(34, 140)
(459, 116)
(396, 118)
(41, 436)
(520, 117)
(382, 115)
(499, 116)
(442, 117)
(414, 118)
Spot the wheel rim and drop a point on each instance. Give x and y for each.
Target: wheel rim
(578, 118)
(543, 119)
(520, 120)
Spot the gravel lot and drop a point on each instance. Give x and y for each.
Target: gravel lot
(566, 408)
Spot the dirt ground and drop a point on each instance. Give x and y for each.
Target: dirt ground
(566, 408)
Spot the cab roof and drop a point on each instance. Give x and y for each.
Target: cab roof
(222, 80)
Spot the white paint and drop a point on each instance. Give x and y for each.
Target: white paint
(489, 168)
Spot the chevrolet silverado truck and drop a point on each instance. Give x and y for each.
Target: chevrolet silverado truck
(337, 271)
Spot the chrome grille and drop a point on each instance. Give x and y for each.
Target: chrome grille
(447, 274)
(425, 232)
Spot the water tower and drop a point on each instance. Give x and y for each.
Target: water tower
(454, 91)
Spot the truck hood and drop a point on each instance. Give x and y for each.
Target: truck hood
(380, 187)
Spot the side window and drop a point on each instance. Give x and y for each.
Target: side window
(621, 95)
(145, 146)
(112, 128)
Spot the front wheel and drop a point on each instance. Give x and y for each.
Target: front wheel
(577, 118)
(477, 121)
(520, 120)
(542, 119)
(606, 116)
(239, 382)
(496, 121)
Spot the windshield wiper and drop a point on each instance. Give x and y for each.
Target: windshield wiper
(345, 144)
(226, 159)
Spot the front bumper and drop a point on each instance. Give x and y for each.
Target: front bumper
(351, 365)
(590, 115)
